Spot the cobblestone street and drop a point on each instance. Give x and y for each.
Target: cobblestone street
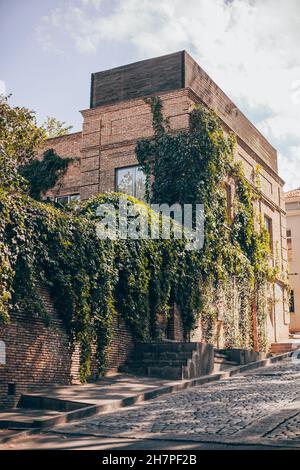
(262, 406)
(259, 408)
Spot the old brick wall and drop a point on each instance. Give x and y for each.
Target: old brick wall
(110, 133)
(175, 330)
(35, 354)
(40, 355)
(66, 146)
(121, 345)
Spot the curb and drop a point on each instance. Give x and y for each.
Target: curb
(18, 435)
(92, 410)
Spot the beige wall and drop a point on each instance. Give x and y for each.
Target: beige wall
(293, 224)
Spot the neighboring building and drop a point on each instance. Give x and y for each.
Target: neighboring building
(118, 116)
(292, 207)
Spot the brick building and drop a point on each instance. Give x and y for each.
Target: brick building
(118, 116)
(292, 206)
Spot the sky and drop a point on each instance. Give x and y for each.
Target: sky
(250, 48)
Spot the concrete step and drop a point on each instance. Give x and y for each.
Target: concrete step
(222, 363)
(163, 355)
(42, 402)
(220, 356)
(22, 419)
(221, 360)
(221, 367)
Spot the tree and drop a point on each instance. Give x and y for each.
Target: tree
(55, 128)
(19, 138)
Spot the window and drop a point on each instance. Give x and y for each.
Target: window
(289, 244)
(67, 199)
(131, 180)
(269, 227)
(292, 302)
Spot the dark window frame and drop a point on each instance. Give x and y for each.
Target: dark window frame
(292, 301)
(69, 196)
(289, 242)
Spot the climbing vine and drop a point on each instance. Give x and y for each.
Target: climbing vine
(43, 174)
(229, 277)
(92, 280)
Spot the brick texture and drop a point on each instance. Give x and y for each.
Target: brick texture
(175, 327)
(38, 355)
(66, 146)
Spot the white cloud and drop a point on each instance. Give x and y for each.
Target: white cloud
(249, 47)
(2, 87)
(95, 3)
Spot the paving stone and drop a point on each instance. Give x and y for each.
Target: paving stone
(227, 408)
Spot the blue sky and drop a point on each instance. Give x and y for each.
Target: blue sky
(49, 48)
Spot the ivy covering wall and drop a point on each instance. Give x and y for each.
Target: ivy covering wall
(43, 174)
(229, 279)
(92, 280)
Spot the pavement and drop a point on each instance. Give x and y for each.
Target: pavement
(114, 386)
(255, 409)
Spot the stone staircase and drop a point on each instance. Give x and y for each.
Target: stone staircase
(171, 360)
(222, 361)
(281, 348)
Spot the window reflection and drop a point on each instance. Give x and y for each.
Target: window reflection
(131, 181)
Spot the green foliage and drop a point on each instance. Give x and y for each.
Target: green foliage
(43, 174)
(41, 244)
(147, 272)
(55, 128)
(19, 138)
(192, 167)
(90, 280)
